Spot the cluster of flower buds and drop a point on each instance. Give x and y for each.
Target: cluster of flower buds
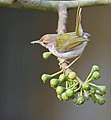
(71, 87)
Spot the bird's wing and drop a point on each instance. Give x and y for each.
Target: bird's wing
(67, 42)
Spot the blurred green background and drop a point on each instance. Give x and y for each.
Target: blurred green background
(23, 96)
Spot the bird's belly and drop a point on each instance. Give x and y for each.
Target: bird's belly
(69, 54)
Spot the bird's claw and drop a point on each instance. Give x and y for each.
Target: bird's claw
(63, 61)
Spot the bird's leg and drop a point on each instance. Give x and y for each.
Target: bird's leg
(73, 62)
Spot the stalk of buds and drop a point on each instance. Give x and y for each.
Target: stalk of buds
(77, 90)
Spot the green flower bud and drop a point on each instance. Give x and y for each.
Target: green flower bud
(85, 86)
(69, 92)
(100, 99)
(72, 75)
(92, 90)
(95, 68)
(62, 78)
(59, 97)
(80, 100)
(60, 90)
(102, 89)
(45, 77)
(96, 75)
(46, 55)
(99, 92)
(87, 95)
(54, 82)
(64, 96)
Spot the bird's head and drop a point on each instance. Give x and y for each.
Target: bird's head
(46, 40)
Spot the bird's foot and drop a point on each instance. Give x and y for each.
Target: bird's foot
(63, 61)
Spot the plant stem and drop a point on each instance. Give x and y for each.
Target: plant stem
(89, 80)
(57, 73)
(67, 84)
(90, 74)
(93, 84)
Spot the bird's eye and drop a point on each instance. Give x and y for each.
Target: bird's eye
(45, 43)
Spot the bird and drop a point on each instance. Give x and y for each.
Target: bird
(68, 45)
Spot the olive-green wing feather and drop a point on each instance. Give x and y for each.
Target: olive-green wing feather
(67, 41)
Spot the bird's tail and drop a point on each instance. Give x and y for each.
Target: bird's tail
(78, 28)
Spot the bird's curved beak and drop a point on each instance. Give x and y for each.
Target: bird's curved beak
(37, 41)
